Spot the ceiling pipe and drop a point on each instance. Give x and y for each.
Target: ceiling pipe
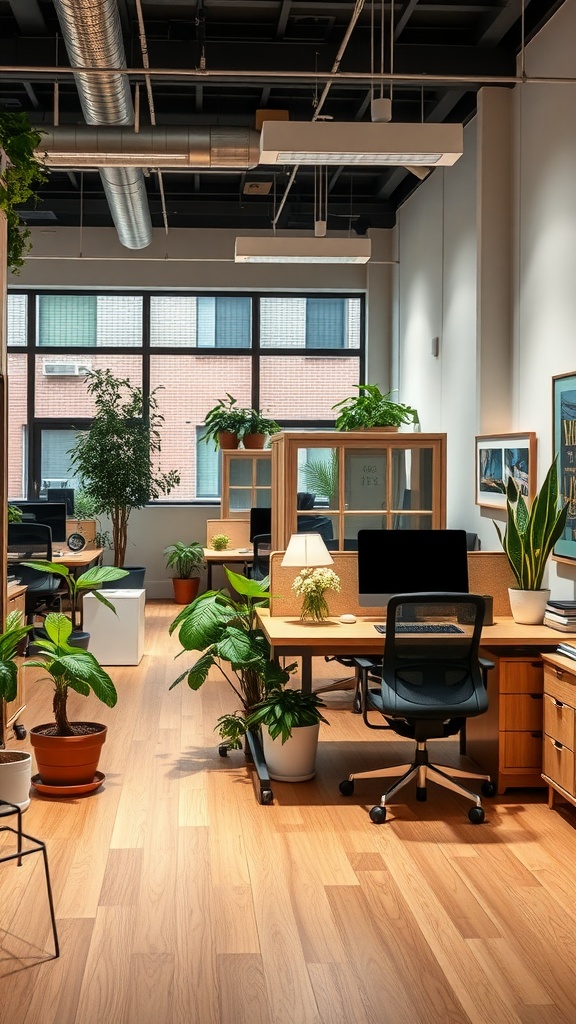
(199, 147)
(93, 37)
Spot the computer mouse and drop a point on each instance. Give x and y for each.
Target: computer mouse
(347, 618)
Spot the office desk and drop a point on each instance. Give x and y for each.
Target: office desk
(289, 636)
(211, 557)
(79, 559)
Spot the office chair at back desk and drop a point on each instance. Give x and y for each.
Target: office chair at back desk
(33, 542)
(429, 686)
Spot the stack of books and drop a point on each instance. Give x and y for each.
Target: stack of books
(568, 650)
(561, 615)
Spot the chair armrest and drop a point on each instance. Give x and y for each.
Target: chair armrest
(485, 666)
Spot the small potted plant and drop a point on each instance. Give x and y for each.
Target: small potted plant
(257, 429)
(290, 721)
(67, 753)
(15, 765)
(219, 542)
(77, 586)
(528, 541)
(370, 408)
(187, 560)
(225, 423)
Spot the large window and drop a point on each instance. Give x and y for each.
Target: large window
(292, 356)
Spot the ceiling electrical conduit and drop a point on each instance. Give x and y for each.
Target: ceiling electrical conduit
(93, 37)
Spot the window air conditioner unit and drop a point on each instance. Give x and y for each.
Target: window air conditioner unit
(54, 369)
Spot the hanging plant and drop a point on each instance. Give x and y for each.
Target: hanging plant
(23, 170)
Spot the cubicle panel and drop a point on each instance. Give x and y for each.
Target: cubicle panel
(237, 531)
(489, 572)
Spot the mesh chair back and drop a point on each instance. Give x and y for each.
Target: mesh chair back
(29, 542)
(433, 674)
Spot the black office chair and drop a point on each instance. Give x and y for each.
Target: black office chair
(431, 683)
(30, 542)
(262, 542)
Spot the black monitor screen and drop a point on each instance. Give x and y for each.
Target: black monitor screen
(410, 561)
(48, 513)
(65, 494)
(260, 522)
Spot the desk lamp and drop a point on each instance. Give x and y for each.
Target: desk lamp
(309, 553)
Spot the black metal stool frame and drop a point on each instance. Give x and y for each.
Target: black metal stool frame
(37, 847)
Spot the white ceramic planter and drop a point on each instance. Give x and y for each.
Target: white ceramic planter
(295, 760)
(528, 606)
(15, 775)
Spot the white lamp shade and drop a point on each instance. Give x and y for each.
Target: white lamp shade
(306, 550)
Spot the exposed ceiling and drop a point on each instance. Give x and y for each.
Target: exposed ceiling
(224, 60)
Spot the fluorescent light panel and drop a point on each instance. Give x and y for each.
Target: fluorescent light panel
(271, 249)
(338, 142)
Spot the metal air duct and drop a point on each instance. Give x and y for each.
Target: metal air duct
(93, 37)
(197, 148)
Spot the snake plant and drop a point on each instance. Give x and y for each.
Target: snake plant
(532, 533)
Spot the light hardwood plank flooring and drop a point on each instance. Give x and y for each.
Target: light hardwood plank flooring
(181, 900)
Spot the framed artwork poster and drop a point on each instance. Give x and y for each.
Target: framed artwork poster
(564, 440)
(500, 456)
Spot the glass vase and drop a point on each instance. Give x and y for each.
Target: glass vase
(314, 607)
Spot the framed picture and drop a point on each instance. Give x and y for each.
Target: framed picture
(564, 440)
(500, 456)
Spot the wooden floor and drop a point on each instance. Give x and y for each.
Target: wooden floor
(180, 900)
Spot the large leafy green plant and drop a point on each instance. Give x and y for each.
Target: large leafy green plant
(225, 630)
(10, 641)
(70, 668)
(186, 559)
(370, 408)
(115, 457)
(86, 582)
(531, 534)
(282, 709)
(18, 139)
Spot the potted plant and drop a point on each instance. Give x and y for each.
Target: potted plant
(18, 140)
(115, 458)
(257, 429)
(370, 408)
(219, 542)
(187, 560)
(528, 541)
(67, 753)
(225, 423)
(15, 765)
(225, 632)
(14, 514)
(290, 722)
(77, 586)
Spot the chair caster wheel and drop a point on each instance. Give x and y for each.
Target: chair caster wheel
(378, 815)
(476, 815)
(346, 787)
(488, 789)
(266, 796)
(223, 750)
(20, 732)
(357, 706)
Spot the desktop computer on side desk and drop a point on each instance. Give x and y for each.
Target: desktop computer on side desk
(411, 562)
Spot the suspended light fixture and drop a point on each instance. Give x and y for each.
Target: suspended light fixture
(379, 143)
(273, 249)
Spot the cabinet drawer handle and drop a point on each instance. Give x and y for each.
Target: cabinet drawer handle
(559, 746)
(559, 673)
(536, 696)
(537, 735)
(536, 664)
(558, 703)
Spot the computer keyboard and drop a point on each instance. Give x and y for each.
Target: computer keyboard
(423, 627)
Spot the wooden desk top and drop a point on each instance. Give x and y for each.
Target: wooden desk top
(335, 637)
(229, 555)
(76, 559)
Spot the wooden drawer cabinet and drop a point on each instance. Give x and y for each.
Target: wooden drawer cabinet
(507, 740)
(559, 727)
(11, 711)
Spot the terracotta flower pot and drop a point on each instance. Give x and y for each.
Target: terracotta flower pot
(68, 760)
(185, 590)
(254, 440)
(227, 439)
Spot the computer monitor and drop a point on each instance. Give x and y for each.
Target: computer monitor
(49, 513)
(65, 494)
(260, 522)
(410, 561)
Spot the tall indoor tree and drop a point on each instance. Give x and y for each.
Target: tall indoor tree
(116, 459)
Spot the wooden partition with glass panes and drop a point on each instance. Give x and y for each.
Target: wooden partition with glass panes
(246, 481)
(339, 482)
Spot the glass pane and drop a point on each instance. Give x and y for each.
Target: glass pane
(17, 323)
(240, 500)
(365, 476)
(412, 479)
(191, 385)
(290, 322)
(326, 526)
(241, 472)
(80, 321)
(317, 478)
(224, 322)
(264, 472)
(412, 522)
(353, 523)
(60, 387)
(263, 499)
(173, 321)
(208, 468)
(55, 468)
(17, 430)
(286, 383)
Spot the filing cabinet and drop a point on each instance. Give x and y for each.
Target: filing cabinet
(559, 727)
